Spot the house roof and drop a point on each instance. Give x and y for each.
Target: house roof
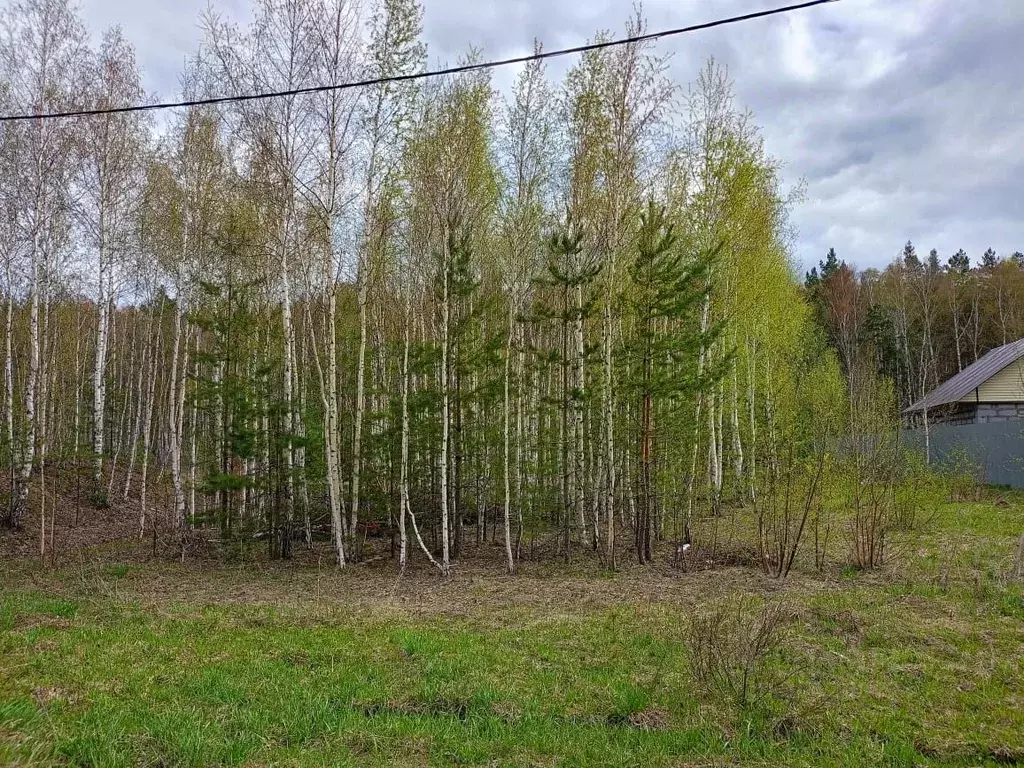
(970, 378)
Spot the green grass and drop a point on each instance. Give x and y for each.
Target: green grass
(169, 665)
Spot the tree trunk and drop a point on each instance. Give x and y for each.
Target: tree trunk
(357, 426)
(9, 397)
(31, 382)
(133, 449)
(403, 483)
(445, 416)
(99, 371)
(332, 429)
(175, 413)
(147, 426)
(737, 439)
(609, 482)
(577, 419)
(507, 426)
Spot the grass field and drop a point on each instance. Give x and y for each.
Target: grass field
(121, 662)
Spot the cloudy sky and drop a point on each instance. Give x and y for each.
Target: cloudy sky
(904, 118)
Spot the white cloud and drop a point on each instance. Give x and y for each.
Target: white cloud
(905, 119)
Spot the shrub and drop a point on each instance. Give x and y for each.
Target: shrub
(733, 650)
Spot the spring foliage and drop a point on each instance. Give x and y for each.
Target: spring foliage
(570, 308)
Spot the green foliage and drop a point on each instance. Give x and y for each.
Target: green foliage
(669, 289)
(233, 389)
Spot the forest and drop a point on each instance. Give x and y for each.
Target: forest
(917, 323)
(565, 319)
(435, 311)
(433, 422)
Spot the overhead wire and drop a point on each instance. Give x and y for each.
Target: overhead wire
(456, 70)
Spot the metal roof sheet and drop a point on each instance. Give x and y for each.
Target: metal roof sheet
(970, 378)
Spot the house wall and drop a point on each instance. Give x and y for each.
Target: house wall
(999, 412)
(965, 413)
(1007, 386)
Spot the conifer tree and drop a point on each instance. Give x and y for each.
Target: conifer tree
(668, 292)
(570, 273)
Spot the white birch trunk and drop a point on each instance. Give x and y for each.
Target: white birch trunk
(332, 429)
(445, 417)
(609, 434)
(99, 370)
(329, 401)
(194, 429)
(698, 407)
(147, 352)
(403, 482)
(147, 431)
(720, 441)
(357, 427)
(175, 414)
(9, 391)
(737, 439)
(289, 398)
(31, 383)
(44, 381)
(577, 419)
(713, 455)
(751, 394)
(507, 426)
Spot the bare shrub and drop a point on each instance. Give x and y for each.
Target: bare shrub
(821, 525)
(871, 520)
(873, 459)
(966, 475)
(783, 512)
(909, 499)
(892, 491)
(732, 649)
(801, 449)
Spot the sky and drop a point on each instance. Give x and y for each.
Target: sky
(903, 119)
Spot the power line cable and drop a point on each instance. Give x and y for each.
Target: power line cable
(422, 75)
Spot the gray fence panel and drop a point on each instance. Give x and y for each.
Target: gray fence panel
(995, 449)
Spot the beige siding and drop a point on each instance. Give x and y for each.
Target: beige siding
(1007, 386)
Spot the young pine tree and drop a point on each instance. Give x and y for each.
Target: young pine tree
(668, 290)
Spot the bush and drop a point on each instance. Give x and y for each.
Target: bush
(98, 497)
(733, 650)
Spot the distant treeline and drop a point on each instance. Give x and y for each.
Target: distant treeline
(918, 322)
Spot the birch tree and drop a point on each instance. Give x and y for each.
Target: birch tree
(43, 51)
(334, 135)
(395, 51)
(111, 175)
(528, 134)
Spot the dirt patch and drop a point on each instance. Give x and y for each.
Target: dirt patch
(98, 551)
(478, 590)
(48, 695)
(43, 622)
(73, 522)
(649, 719)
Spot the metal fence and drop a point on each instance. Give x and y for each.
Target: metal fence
(994, 452)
